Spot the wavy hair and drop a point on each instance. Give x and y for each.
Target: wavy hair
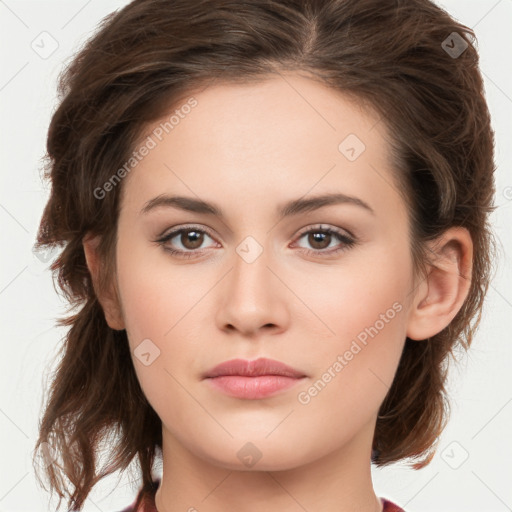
(397, 57)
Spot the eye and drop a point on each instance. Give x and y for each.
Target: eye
(190, 238)
(320, 239)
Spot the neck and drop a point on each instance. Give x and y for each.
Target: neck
(337, 482)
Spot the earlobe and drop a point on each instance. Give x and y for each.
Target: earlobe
(108, 299)
(440, 295)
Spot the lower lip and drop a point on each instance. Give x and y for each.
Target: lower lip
(252, 388)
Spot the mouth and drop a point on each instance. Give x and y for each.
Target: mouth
(252, 380)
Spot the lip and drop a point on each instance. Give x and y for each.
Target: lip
(252, 380)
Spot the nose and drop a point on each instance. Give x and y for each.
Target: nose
(252, 298)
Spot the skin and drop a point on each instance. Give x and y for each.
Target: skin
(248, 149)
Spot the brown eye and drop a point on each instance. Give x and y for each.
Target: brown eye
(186, 242)
(319, 240)
(191, 239)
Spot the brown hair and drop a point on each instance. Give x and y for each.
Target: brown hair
(388, 55)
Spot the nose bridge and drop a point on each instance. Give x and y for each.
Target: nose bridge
(250, 300)
(250, 273)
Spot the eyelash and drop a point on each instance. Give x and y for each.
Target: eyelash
(346, 240)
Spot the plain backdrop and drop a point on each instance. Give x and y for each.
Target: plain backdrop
(470, 471)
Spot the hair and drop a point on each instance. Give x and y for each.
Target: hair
(387, 55)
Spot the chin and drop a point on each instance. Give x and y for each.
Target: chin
(255, 454)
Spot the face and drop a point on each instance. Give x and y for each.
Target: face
(321, 287)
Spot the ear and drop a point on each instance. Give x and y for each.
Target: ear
(441, 293)
(108, 299)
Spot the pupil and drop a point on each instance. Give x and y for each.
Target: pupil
(195, 242)
(318, 238)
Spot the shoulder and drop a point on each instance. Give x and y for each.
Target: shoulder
(389, 506)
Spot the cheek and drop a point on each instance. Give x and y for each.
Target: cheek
(155, 303)
(364, 316)
(354, 370)
(156, 295)
(161, 303)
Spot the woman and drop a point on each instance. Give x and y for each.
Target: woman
(275, 226)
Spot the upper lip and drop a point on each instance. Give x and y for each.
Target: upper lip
(255, 368)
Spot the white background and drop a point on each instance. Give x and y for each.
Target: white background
(480, 385)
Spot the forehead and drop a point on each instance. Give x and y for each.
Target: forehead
(288, 134)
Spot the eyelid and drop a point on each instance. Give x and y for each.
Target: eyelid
(345, 237)
(322, 227)
(303, 231)
(175, 230)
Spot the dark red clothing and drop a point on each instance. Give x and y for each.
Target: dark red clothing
(390, 507)
(149, 505)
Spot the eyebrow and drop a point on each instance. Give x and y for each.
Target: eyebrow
(288, 209)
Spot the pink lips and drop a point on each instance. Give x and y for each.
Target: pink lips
(253, 379)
